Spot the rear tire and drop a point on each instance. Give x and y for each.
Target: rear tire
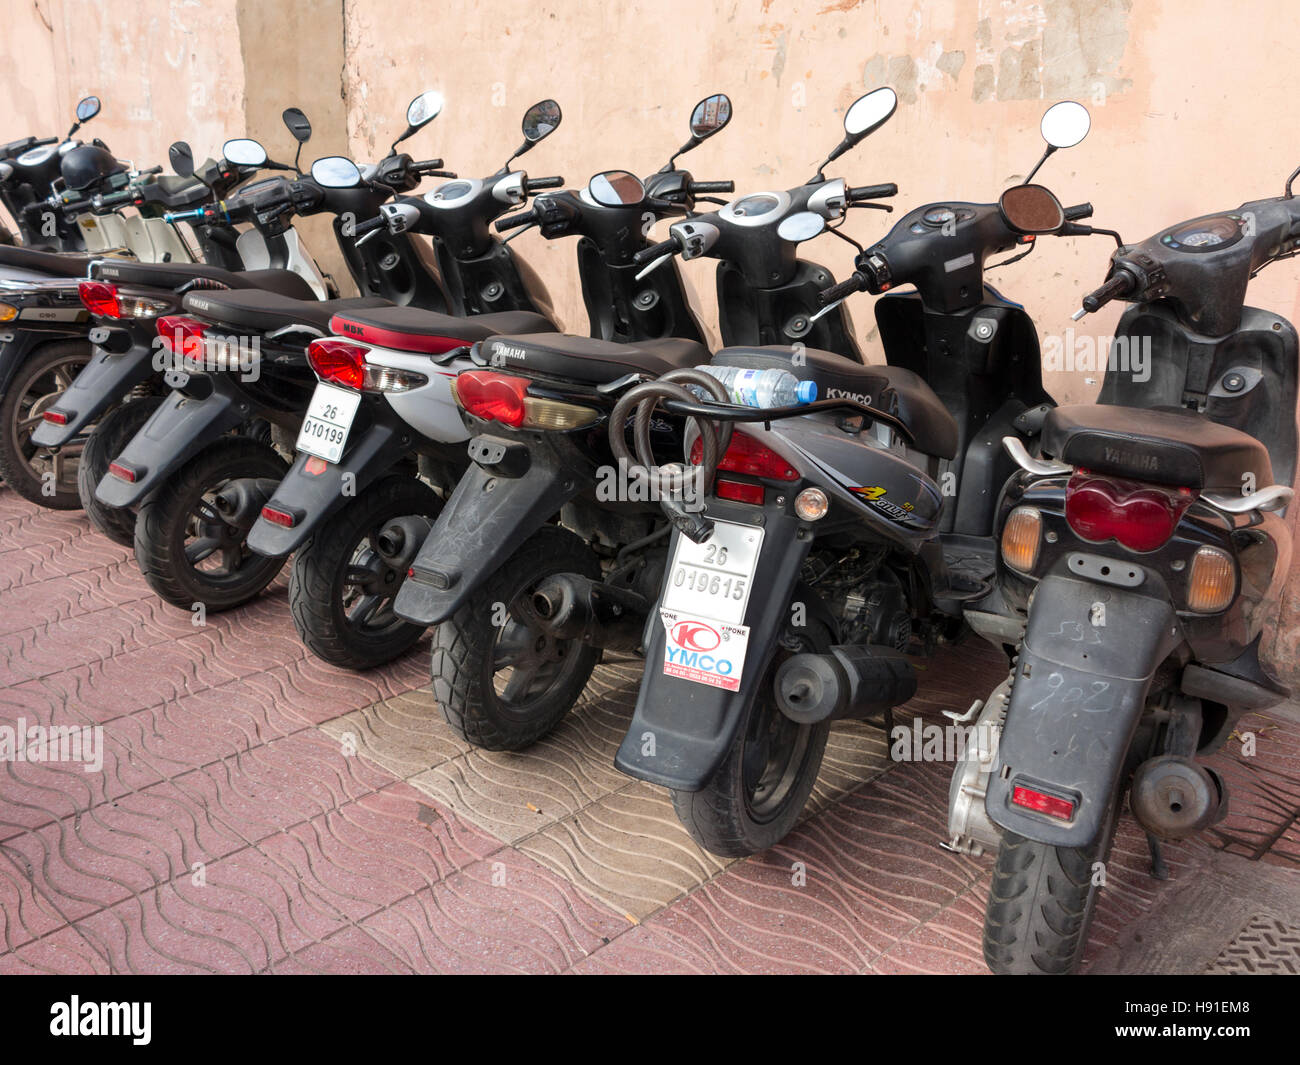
(333, 628)
(106, 441)
(178, 515)
(36, 386)
(469, 651)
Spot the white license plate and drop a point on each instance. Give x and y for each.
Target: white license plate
(713, 579)
(329, 419)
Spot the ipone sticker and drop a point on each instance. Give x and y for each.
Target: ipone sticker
(704, 651)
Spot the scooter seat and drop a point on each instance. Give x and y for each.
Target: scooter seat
(56, 264)
(261, 311)
(587, 360)
(892, 389)
(1169, 446)
(174, 275)
(428, 332)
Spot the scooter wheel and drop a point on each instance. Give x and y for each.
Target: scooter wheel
(187, 551)
(502, 684)
(37, 474)
(341, 586)
(106, 441)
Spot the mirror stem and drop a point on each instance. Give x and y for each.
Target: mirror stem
(1038, 166)
(1289, 181)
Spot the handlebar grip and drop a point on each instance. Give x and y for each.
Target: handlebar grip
(854, 283)
(1078, 211)
(514, 221)
(428, 164)
(369, 225)
(185, 216)
(650, 254)
(152, 170)
(532, 184)
(872, 192)
(76, 206)
(44, 141)
(698, 187)
(1121, 284)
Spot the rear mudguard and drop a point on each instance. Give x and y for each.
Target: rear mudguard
(486, 519)
(1082, 678)
(681, 730)
(313, 497)
(17, 344)
(176, 432)
(104, 381)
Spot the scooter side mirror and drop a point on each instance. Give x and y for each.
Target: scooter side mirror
(865, 115)
(710, 116)
(296, 123)
(181, 158)
(1065, 124)
(335, 172)
(87, 108)
(244, 151)
(541, 120)
(419, 113)
(1031, 209)
(800, 226)
(616, 188)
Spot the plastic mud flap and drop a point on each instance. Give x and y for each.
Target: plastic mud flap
(682, 729)
(1085, 667)
(510, 491)
(103, 381)
(313, 489)
(176, 432)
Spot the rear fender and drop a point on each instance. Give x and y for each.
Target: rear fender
(104, 381)
(682, 729)
(1083, 676)
(16, 345)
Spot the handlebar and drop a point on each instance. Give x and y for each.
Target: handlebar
(369, 226)
(655, 251)
(1122, 284)
(872, 192)
(186, 216)
(533, 184)
(44, 141)
(152, 170)
(1078, 211)
(855, 282)
(697, 188)
(514, 221)
(428, 164)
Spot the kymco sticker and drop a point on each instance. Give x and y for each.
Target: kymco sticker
(704, 651)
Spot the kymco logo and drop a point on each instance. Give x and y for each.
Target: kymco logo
(695, 636)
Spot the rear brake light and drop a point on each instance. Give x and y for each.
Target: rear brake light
(342, 362)
(182, 336)
(1140, 516)
(1041, 802)
(746, 455)
(498, 397)
(99, 298)
(739, 491)
(124, 473)
(279, 517)
(55, 417)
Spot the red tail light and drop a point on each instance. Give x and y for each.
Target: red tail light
(739, 491)
(494, 397)
(279, 517)
(55, 417)
(1041, 802)
(339, 361)
(1140, 516)
(124, 473)
(181, 335)
(746, 455)
(100, 299)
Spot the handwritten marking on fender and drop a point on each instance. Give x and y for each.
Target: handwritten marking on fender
(704, 651)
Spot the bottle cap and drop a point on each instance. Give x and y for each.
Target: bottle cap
(806, 392)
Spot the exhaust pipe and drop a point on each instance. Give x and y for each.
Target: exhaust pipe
(401, 539)
(1173, 797)
(240, 501)
(569, 606)
(853, 681)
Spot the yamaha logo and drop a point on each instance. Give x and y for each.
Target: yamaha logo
(1132, 459)
(505, 351)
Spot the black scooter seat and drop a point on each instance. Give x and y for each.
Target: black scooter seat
(1169, 446)
(174, 275)
(892, 389)
(586, 360)
(427, 332)
(57, 264)
(261, 311)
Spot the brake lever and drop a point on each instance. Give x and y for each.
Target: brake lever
(655, 265)
(825, 310)
(519, 232)
(365, 237)
(874, 206)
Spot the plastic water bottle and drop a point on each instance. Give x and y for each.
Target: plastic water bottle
(763, 388)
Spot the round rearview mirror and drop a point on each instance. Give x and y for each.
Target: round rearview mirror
(616, 188)
(541, 120)
(803, 225)
(1031, 209)
(335, 172)
(297, 124)
(243, 151)
(182, 159)
(424, 108)
(710, 115)
(1065, 124)
(87, 108)
(869, 112)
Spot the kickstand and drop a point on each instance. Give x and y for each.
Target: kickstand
(1159, 870)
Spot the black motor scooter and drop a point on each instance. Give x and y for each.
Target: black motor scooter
(1145, 555)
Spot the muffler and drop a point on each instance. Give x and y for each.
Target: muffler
(401, 539)
(853, 681)
(1173, 797)
(240, 501)
(569, 606)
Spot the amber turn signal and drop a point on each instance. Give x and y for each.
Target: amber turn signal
(1021, 537)
(1212, 581)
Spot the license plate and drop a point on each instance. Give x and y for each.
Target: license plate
(329, 419)
(713, 579)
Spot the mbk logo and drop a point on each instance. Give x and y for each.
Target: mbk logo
(354, 329)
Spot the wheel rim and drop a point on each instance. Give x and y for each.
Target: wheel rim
(771, 759)
(527, 664)
(215, 551)
(37, 394)
(369, 586)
